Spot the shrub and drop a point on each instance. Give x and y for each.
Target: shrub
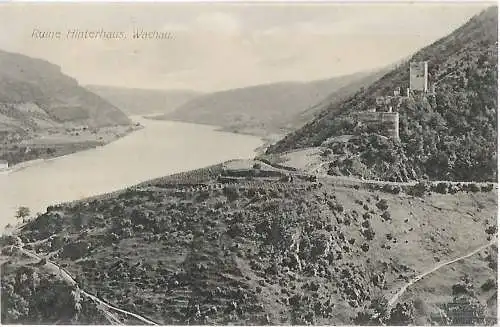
(382, 204)
(387, 188)
(452, 189)
(365, 247)
(487, 188)
(386, 215)
(491, 230)
(419, 189)
(368, 233)
(396, 189)
(473, 187)
(442, 188)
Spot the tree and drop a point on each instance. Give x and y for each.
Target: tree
(22, 212)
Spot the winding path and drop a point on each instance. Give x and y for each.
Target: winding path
(67, 277)
(396, 296)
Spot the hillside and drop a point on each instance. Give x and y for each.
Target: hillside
(143, 101)
(265, 109)
(33, 89)
(190, 249)
(449, 135)
(44, 113)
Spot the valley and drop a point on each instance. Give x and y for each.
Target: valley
(378, 207)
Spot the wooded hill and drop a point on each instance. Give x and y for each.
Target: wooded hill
(451, 135)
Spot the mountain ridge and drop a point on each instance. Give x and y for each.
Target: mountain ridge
(263, 109)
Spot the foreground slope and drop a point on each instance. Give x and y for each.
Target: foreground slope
(192, 249)
(451, 134)
(265, 109)
(143, 101)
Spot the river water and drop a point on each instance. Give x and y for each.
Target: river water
(160, 148)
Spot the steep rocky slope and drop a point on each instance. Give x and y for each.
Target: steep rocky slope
(35, 94)
(187, 249)
(143, 101)
(266, 109)
(451, 134)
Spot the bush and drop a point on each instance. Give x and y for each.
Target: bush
(386, 215)
(487, 188)
(491, 230)
(452, 189)
(442, 188)
(473, 187)
(387, 188)
(396, 189)
(383, 205)
(419, 189)
(368, 233)
(365, 247)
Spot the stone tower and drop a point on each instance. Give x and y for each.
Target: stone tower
(419, 76)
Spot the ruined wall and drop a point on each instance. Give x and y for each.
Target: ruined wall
(385, 123)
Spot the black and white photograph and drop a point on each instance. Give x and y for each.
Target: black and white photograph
(249, 163)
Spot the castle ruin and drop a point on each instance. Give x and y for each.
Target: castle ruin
(419, 76)
(385, 123)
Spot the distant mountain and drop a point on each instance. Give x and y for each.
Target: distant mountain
(264, 109)
(143, 101)
(449, 135)
(35, 94)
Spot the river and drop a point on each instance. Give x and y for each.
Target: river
(161, 148)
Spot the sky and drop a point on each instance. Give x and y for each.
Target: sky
(217, 46)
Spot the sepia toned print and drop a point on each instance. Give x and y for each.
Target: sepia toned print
(249, 163)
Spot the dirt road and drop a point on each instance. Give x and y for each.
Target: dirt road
(400, 292)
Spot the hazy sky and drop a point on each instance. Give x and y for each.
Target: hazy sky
(221, 46)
